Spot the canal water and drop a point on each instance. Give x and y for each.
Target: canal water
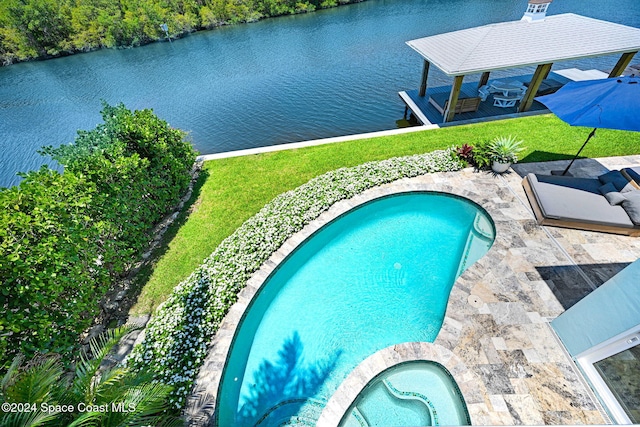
(329, 73)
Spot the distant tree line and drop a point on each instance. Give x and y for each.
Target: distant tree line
(32, 29)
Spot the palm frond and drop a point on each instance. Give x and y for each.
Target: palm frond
(88, 419)
(146, 404)
(27, 419)
(86, 382)
(10, 376)
(35, 383)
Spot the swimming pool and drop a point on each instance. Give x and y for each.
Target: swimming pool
(416, 393)
(378, 275)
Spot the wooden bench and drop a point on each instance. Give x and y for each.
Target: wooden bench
(464, 105)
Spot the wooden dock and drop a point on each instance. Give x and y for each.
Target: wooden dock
(427, 114)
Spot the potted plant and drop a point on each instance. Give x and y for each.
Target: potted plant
(504, 152)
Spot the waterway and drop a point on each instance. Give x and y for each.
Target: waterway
(328, 73)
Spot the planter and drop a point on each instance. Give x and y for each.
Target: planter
(498, 167)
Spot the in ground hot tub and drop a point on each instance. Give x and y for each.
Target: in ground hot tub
(415, 393)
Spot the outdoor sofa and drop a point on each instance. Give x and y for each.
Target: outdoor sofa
(609, 203)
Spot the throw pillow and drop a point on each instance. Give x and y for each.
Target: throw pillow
(631, 205)
(612, 195)
(618, 180)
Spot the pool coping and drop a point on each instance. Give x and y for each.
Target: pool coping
(497, 318)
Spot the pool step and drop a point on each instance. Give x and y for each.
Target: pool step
(296, 411)
(412, 395)
(362, 422)
(480, 234)
(299, 421)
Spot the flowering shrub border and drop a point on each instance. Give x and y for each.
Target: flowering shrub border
(177, 336)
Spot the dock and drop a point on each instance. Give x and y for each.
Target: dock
(427, 114)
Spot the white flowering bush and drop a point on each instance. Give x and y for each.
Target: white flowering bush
(177, 336)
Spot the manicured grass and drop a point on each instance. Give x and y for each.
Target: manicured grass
(232, 190)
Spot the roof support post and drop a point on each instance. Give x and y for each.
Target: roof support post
(423, 82)
(484, 79)
(622, 63)
(450, 111)
(541, 71)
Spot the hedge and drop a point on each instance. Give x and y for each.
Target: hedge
(65, 237)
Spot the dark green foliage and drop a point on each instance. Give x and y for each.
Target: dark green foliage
(65, 237)
(117, 395)
(44, 28)
(482, 153)
(49, 248)
(140, 167)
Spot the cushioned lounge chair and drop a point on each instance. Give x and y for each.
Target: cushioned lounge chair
(581, 202)
(547, 87)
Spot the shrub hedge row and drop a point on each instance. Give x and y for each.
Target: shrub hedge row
(65, 237)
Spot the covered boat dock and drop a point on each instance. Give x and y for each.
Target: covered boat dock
(535, 41)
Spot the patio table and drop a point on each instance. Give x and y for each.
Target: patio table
(506, 93)
(506, 88)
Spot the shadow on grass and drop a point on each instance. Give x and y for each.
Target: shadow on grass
(546, 156)
(536, 162)
(139, 281)
(282, 387)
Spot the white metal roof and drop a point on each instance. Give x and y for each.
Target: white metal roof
(521, 43)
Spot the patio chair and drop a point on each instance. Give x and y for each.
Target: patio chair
(609, 203)
(484, 92)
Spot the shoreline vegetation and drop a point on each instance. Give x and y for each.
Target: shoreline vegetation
(46, 29)
(63, 241)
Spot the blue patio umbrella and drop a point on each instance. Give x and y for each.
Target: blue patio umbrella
(612, 103)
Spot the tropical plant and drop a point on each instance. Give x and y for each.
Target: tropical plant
(95, 394)
(465, 152)
(49, 247)
(481, 155)
(140, 167)
(505, 149)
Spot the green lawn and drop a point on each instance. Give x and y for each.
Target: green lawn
(232, 190)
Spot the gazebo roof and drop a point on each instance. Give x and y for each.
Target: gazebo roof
(522, 43)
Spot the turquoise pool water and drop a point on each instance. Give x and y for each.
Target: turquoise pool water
(376, 276)
(417, 393)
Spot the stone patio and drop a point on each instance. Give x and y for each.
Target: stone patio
(496, 339)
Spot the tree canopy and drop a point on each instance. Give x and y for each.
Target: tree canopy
(32, 29)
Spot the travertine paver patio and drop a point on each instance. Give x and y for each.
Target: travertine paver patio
(496, 339)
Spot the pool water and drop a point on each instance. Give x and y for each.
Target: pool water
(376, 276)
(417, 393)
